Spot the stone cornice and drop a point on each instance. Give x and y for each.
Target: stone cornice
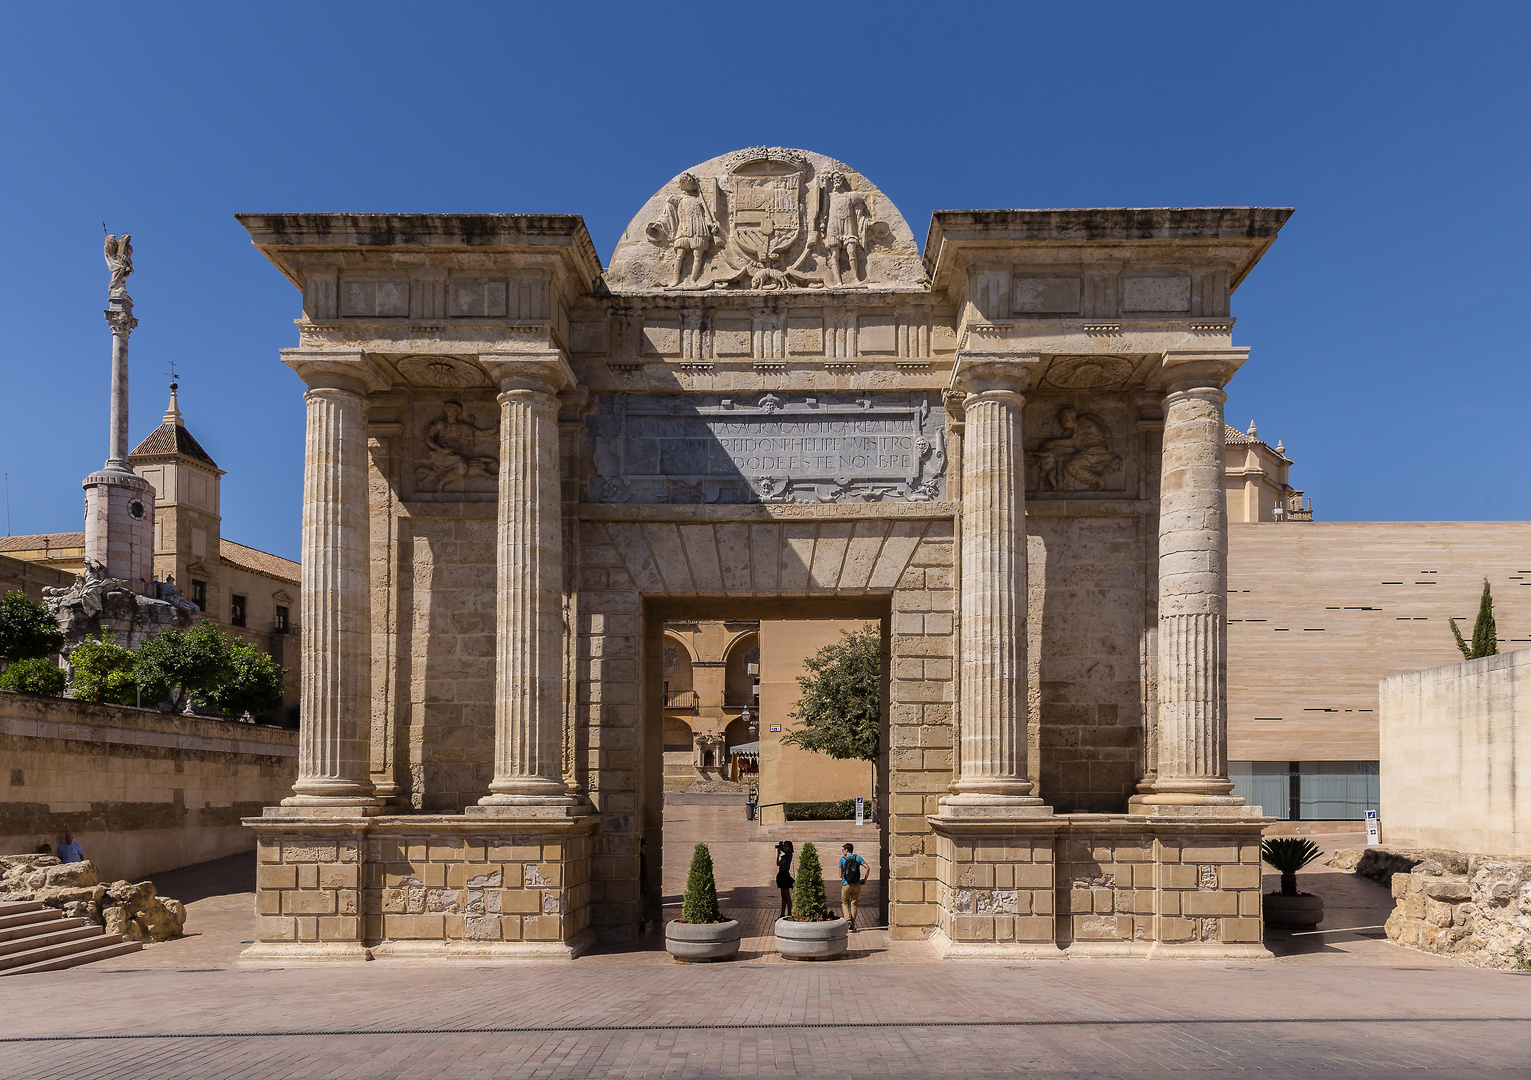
(547, 372)
(1183, 369)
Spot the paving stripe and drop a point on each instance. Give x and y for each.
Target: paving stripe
(1327, 1021)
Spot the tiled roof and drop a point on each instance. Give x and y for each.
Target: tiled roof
(42, 540)
(172, 438)
(261, 562)
(1232, 436)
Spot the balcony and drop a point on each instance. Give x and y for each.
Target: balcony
(680, 699)
(740, 699)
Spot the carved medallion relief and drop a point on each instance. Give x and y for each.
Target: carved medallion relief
(1075, 449)
(454, 446)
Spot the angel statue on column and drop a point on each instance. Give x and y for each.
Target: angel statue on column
(119, 260)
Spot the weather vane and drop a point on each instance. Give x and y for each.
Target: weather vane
(174, 378)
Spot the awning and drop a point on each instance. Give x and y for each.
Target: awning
(748, 749)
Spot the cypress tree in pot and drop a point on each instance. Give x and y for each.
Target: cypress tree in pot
(809, 933)
(701, 933)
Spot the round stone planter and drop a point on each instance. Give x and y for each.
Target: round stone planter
(1301, 912)
(700, 942)
(811, 940)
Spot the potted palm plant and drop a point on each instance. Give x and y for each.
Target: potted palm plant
(701, 933)
(1290, 909)
(809, 933)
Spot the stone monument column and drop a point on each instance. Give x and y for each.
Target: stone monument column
(333, 740)
(1192, 735)
(993, 681)
(529, 583)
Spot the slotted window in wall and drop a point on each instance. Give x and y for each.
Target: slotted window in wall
(1308, 790)
(199, 595)
(279, 624)
(237, 610)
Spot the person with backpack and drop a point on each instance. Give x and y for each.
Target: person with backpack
(852, 873)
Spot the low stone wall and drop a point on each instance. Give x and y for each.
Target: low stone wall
(142, 791)
(133, 909)
(1454, 768)
(1482, 916)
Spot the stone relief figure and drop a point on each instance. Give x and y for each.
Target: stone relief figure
(451, 443)
(690, 228)
(86, 595)
(1081, 459)
(119, 260)
(847, 221)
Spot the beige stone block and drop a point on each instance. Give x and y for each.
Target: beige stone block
(520, 901)
(1249, 904)
(1004, 876)
(276, 876)
(340, 928)
(414, 927)
(1169, 903)
(1242, 930)
(1144, 876)
(1103, 901)
(1437, 912)
(914, 914)
(1174, 929)
(1209, 903)
(1102, 927)
(1179, 877)
(433, 875)
(308, 876)
(912, 892)
(974, 928)
(310, 851)
(542, 928)
(268, 851)
(1042, 901)
(1238, 876)
(1209, 853)
(308, 902)
(308, 928)
(1033, 928)
(339, 875)
(275, 928)
(268, 902)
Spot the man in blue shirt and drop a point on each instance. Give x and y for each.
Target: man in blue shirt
(69, 851)
(852, 873)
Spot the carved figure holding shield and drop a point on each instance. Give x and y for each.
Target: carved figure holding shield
(845, 228)
(690, 228)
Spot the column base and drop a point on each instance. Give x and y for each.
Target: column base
(527, 807)
(318, 807)
(973, 806)
(1183, 806)
(307, 951)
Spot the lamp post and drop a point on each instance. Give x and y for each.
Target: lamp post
(752, 803)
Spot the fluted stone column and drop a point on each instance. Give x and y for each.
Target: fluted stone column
(993, 682)
(336, 631)
(1192, 734)
(529, 580)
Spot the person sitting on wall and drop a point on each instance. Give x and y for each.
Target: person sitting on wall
(69, 851)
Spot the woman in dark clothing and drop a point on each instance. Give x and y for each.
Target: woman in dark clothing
(784, 875)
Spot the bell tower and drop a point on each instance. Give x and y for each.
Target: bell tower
(119, 505)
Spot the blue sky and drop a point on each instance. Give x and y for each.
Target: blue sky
(1387, 323)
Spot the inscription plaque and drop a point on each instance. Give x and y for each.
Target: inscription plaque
(655, 448)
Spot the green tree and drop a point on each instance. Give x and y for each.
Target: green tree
(1287, 855)
(104, 671)
(1485, 635)
(27, 631)
(700, 902)
(808, 903)
(177, 665)
(252, 683)
(840, 707)
(33, 676)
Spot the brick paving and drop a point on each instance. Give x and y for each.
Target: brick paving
(1343, 1003)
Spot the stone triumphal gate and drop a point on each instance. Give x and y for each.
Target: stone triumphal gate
(520, 465)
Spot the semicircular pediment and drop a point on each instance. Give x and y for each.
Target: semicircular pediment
(768, 219)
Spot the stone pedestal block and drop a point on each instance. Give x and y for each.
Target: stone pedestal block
(1081, 885)
(422, 886)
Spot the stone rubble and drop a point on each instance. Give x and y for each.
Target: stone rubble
(131, 909)
(1472, 907)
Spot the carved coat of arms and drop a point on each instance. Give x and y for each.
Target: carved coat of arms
(772, 222)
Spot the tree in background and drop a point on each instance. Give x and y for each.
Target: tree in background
(252, 682)
(103, 671)
(1485, 635)
(180, 665)
(27, 631)
(33, 676)
(841, 704)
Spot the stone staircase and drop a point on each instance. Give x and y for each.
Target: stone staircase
(34, 937)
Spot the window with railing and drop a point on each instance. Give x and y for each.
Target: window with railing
(680, 699)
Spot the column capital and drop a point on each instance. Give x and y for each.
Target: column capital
(980, 373)
(350, 370)
(1200, 369)
(544, 372)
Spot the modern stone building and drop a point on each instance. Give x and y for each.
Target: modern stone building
(522, 465)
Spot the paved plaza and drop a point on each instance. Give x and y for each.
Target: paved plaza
(1342, 1003)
